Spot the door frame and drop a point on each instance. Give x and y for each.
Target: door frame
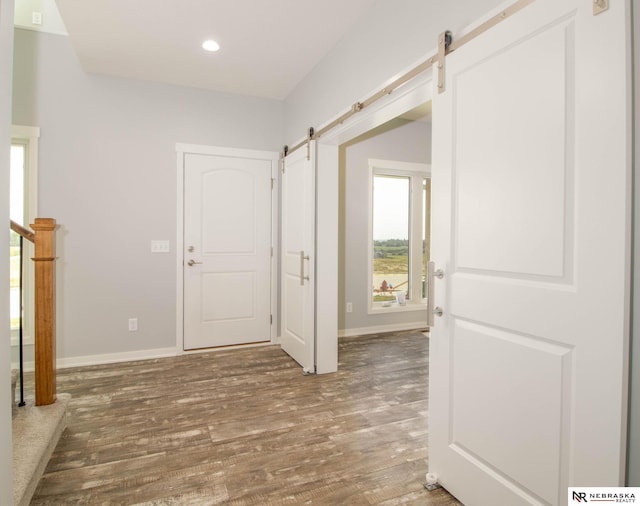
(412, 94)
(183, 149)
(28, 136)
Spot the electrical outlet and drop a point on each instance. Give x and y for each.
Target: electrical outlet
(36, 18)
(133, 324)
(349, 307)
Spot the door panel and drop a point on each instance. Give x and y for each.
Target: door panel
(298, 257)
(229, 193)
(493, 239)
(227, 292)
(527, 378)
(528, 392)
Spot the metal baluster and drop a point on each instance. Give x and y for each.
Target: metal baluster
(21, 403)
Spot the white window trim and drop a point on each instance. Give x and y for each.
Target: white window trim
(396, 168)
(28, 136)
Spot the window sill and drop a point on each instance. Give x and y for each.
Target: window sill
(394, 307)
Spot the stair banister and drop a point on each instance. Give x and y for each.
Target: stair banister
(45, 311)
(44, 259)
(23, 232)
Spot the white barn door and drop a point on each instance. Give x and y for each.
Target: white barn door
(530, 182)
(298, 256)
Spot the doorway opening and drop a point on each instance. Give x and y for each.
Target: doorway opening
(384, 226)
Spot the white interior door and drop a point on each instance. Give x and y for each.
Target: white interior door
(530, 225)
(298, 256)
(227, 250)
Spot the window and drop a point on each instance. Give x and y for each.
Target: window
(399, 234)
(22, 200)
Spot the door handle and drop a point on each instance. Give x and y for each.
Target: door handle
(303, 257)
(432, 274)
(192, 262)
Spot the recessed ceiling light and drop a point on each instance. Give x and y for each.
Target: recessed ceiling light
(210, 45)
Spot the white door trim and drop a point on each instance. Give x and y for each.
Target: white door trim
(414, 93)
(181, 150)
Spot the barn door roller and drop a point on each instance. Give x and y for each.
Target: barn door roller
(310, 133)
(444, 41)
(599, 6)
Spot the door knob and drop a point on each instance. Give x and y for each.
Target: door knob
(192, 262)
(437, 311)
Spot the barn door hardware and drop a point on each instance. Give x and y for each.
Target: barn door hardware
(310, 135)
(444, 41)
(599, 6)
(283, 155)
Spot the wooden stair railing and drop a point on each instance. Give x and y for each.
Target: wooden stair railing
(45, 306)
(24, 232)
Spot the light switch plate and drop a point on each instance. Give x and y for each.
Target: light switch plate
(160, 246)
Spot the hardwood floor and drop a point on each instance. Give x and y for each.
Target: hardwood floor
(245, 427)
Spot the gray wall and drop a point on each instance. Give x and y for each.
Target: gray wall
(107, 173)
(398, 140)
(6, 33)
(389, 38)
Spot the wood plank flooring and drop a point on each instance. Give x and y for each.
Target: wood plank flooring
(245, 427)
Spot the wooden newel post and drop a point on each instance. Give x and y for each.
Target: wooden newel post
(45, 310)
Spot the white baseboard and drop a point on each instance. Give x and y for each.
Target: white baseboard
(112, 358)
(107, 358)
(130, 356)
(394, 327)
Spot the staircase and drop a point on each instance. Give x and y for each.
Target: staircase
(38, 425)
(36, 432)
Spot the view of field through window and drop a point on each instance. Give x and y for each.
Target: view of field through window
(17, 170)
(392, 241)
(390, 236)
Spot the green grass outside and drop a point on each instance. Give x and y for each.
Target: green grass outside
(14, 276)
(391, 265)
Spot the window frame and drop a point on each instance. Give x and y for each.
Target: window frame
(28, 137)
(417, 172)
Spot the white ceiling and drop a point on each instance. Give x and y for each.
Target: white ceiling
(268, 46)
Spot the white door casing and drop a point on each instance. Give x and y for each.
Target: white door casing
(227, 249)
(298, 256)
(530, 224)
